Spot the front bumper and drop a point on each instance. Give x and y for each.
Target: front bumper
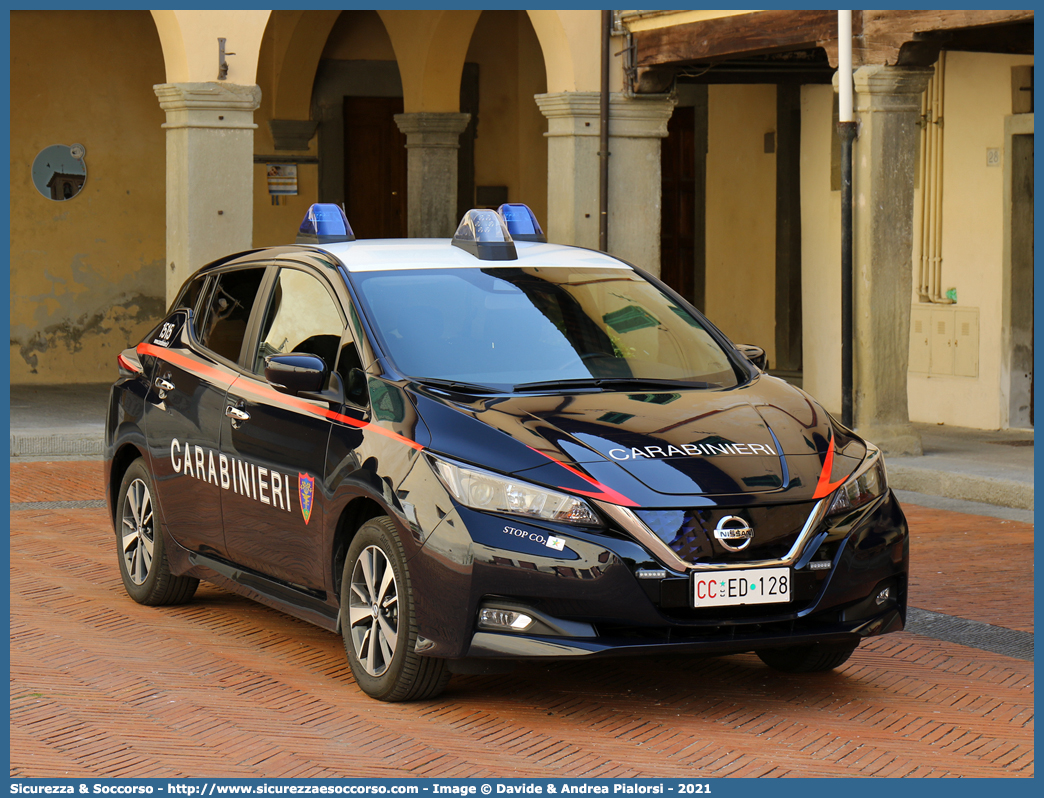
(473, 560)
(491, 645)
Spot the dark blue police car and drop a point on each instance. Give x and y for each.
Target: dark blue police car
(463, 452)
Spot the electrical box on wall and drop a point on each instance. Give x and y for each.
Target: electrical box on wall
(920, 341)
(944, 340)
(966, 343)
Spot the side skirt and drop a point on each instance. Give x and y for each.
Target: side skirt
(308, 605)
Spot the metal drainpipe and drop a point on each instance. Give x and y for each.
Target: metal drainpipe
(846, 129)
(603, 139)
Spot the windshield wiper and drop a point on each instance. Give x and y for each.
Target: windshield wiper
(613, 382)
(456, 385)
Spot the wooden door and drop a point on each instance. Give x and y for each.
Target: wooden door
(677, 231)
(374, 167)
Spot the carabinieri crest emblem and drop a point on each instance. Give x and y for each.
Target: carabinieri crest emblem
(306, 492)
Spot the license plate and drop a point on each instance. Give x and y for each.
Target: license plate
(745, 586)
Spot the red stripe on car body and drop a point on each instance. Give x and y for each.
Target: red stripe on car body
(272, 395)
(127, 364)
(825, 486)
(603, 492)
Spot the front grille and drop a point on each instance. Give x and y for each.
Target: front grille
(690, 532)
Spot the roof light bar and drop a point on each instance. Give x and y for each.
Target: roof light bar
(324, 223)
(484, 234)
(521, 222)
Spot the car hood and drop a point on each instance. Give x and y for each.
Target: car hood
(766, 437)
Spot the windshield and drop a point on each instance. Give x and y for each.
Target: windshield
(508, 326)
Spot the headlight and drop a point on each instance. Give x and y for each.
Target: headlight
(482, 490)
(867, 483)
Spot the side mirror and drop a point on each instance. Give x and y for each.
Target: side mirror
(295, 373)
(755, 354)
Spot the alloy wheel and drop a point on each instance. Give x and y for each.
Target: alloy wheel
(373, 611)
(138, 536)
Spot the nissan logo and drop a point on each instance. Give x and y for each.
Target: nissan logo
(733, 533)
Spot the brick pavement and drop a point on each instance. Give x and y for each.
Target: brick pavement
(972, 566)
(102, 687)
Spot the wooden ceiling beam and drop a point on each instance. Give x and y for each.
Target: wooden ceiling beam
(880, 37)
(907, 22)
(727, 37)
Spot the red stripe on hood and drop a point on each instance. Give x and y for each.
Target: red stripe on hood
(604, 491)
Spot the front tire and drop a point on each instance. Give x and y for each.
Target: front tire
(811, 658)
(139, 545)
(378, 623)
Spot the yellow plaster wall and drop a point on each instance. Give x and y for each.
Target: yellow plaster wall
(741, 214)
(277, 225)
(510, 149)
(977, 98)
(820, 251)
(86, 274)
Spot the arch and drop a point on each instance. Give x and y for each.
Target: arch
(430, 47)
(333, 68)
(509, 159)
(295, 40)
(571, 44)
(172, 42)
(189, 42)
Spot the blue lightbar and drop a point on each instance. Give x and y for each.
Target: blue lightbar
(324, 223)
(521, 222)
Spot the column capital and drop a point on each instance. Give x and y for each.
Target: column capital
(880, 79)
(575, 113)
(426, 129)
(292, 134)
(214, 105)
(889, 88)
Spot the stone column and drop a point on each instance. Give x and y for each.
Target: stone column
(210, 173)
(887, 106)
(432, 141)
(636, 126)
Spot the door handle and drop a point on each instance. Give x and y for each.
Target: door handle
(164, 385)
(236, 414)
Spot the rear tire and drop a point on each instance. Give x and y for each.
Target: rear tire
(807, 659)
(139, 544)
(378, 622)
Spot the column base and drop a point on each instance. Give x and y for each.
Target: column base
(895, 440)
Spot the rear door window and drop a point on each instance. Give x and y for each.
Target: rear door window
(189, 295)
(224, 317)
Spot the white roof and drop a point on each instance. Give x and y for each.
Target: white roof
(392, 254)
